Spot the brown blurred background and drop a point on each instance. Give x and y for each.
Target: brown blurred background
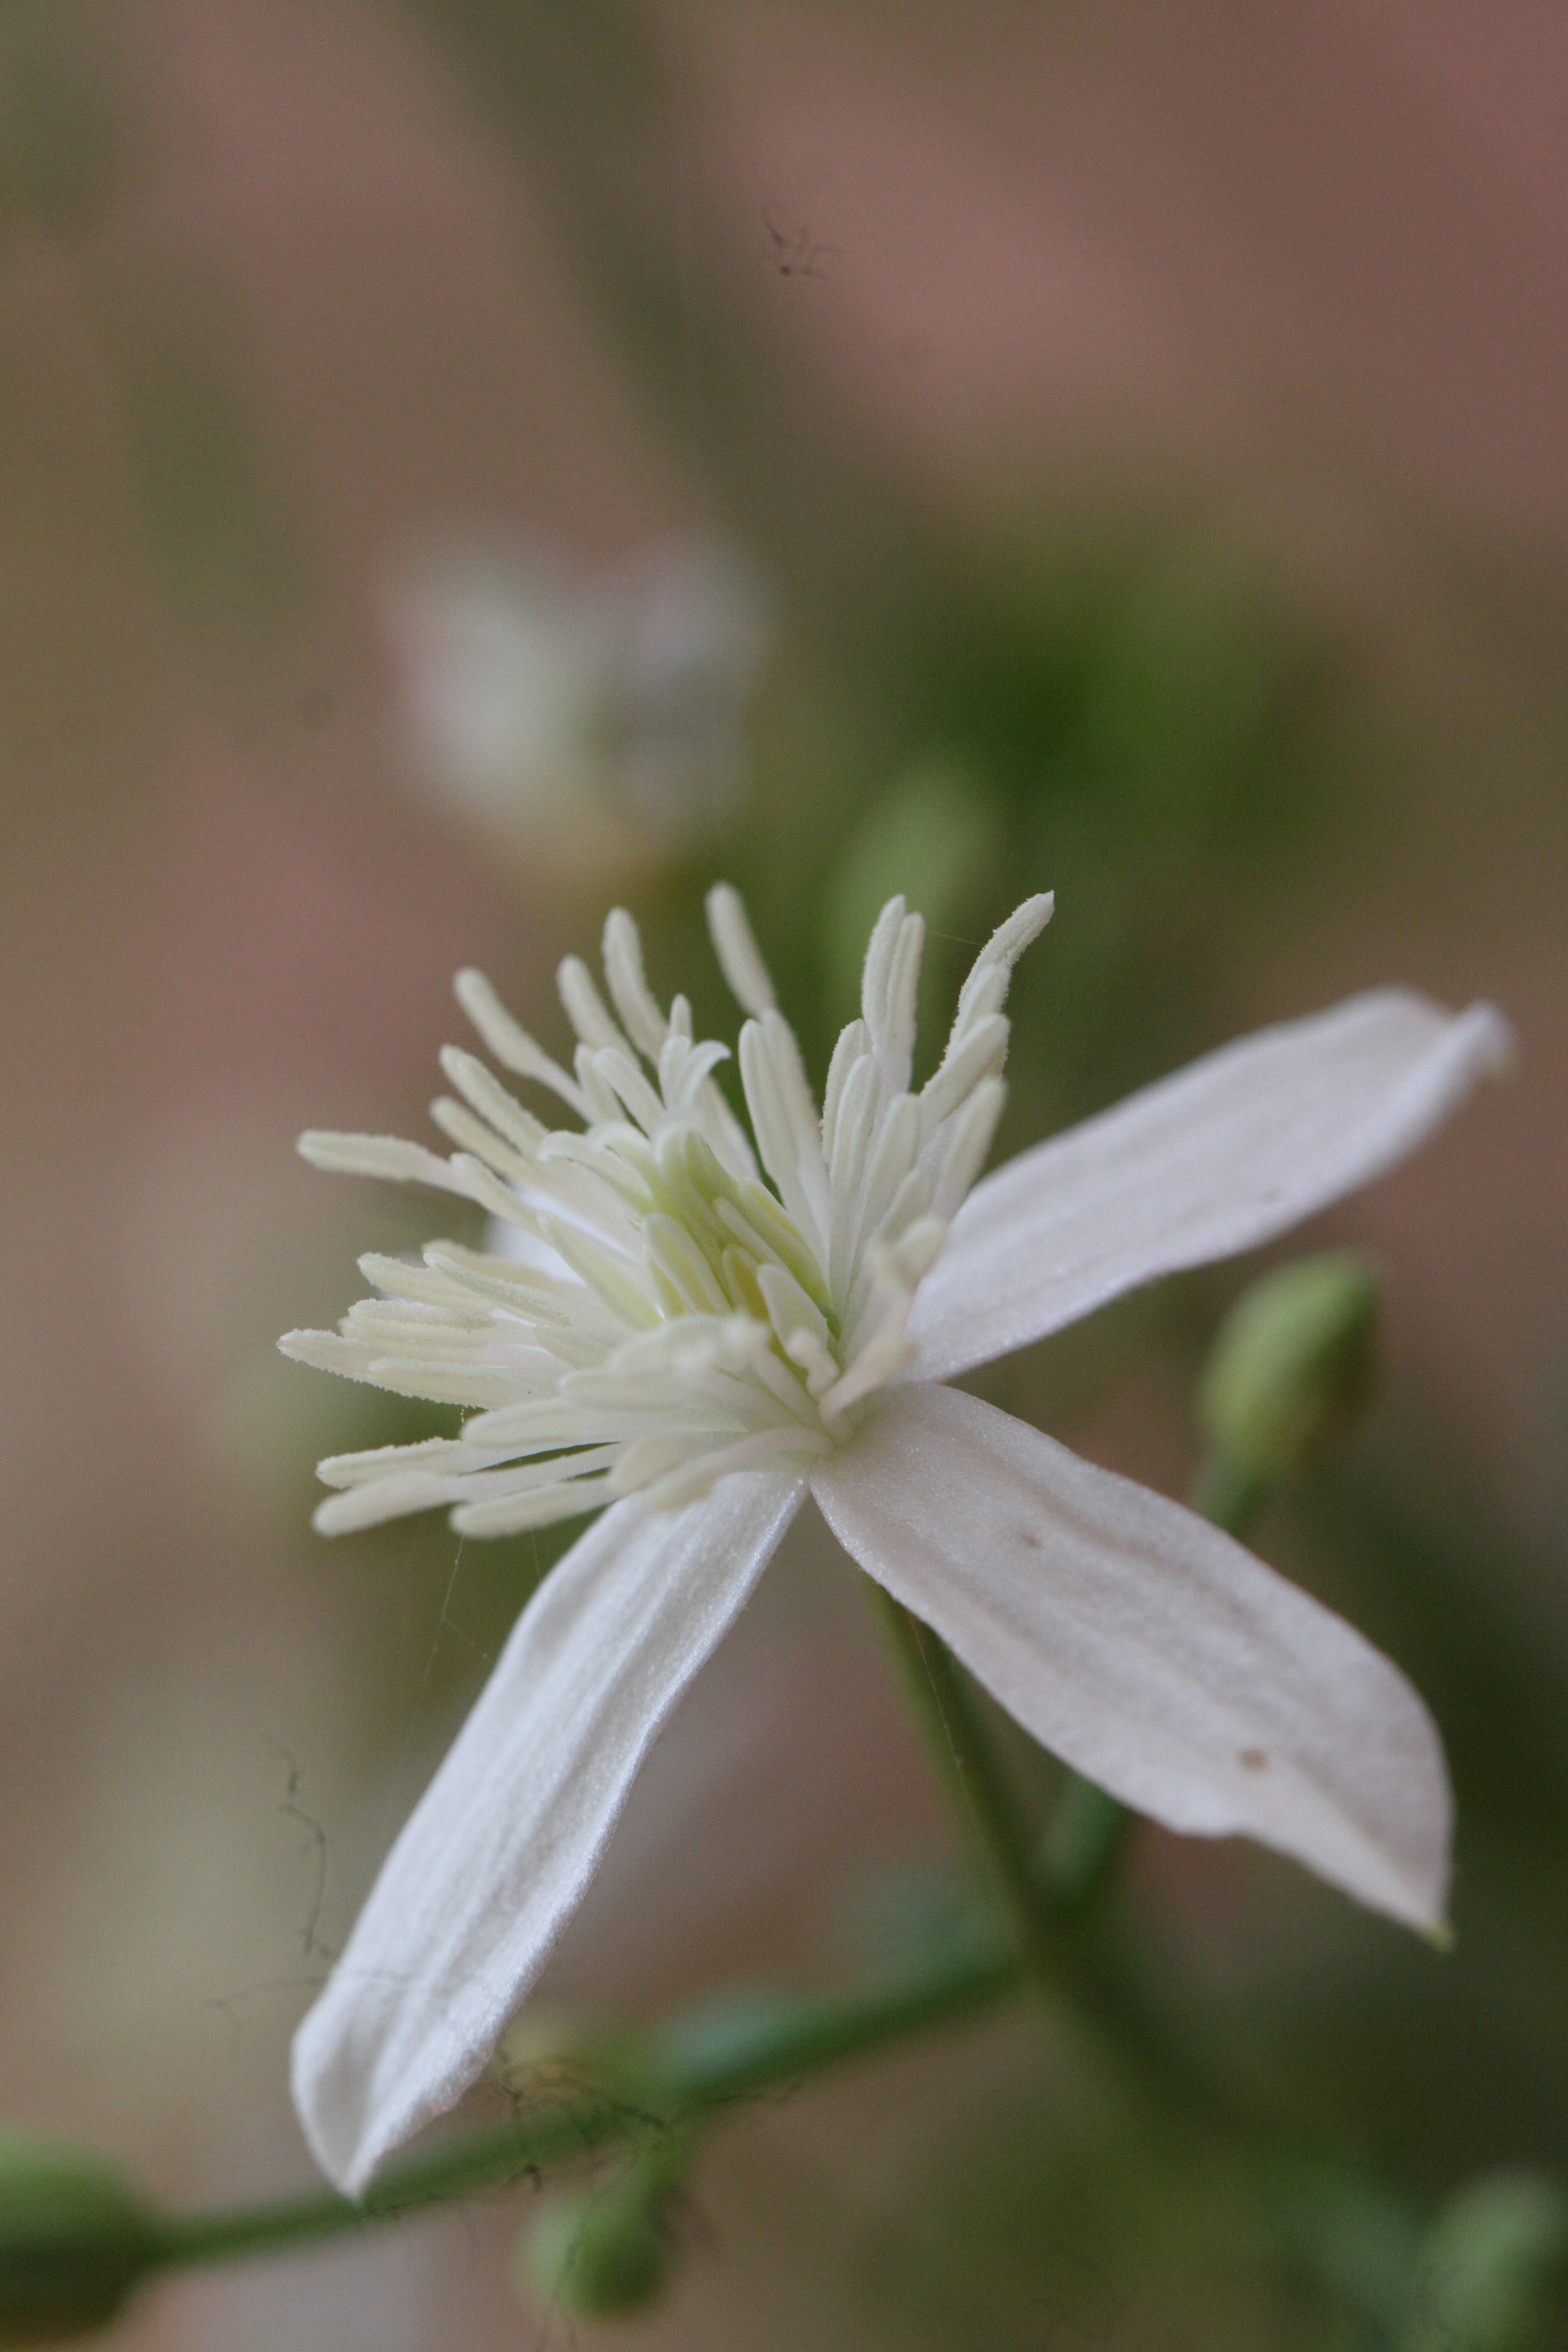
(1145, 430)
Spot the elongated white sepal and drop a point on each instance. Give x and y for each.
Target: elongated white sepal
(1230, 1152)
(1152, 1651)
(503, 1842)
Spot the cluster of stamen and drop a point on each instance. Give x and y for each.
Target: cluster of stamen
(663, 1315)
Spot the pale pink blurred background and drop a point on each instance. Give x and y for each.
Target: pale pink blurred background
(1300, 275)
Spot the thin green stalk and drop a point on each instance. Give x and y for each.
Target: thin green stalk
(1057, 1959)
(955, 1731)
(1079, 1851)
(1049, 1886)
(720, 2054)
(1080, 1846)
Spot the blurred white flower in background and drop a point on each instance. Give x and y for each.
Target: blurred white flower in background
(597, 719)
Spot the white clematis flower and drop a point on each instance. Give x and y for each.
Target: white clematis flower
(702, 1331)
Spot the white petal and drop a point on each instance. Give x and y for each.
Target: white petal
(1235, 1148)
(499, 1850)
(1144, 1646)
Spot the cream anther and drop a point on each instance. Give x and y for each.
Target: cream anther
(690, 1317)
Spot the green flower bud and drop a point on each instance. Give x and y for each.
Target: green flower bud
(73, 2241)
(1489, 2260)
(1291, 1369)
(602, 2253)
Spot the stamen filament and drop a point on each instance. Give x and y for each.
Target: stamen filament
(688, 1318)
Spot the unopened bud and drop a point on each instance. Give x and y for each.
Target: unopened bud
(1489, 2261)
(602, 2253)
(73, 2241)
(1291, 1369)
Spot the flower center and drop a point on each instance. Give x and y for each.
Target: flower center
(673, 1298)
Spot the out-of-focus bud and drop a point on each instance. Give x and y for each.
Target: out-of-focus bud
(74, 2241)
(596, 722)
(605, 2253)
(1489, 2261)
(1291, 1369)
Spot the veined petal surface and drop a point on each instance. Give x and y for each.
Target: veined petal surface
(1230, 1152)
(499, 1849)
(1152, 1652)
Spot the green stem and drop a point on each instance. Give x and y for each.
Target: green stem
(1047, 1886)
(1082, 1844)
(950, 1715)
(720, 2053)
(1057, 1960)
(1079, 1851)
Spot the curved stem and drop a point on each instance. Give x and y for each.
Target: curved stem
(1052, 1953)
(723, 2053)
(950, 1715)
(1080, 1846)
(1049, 1887)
